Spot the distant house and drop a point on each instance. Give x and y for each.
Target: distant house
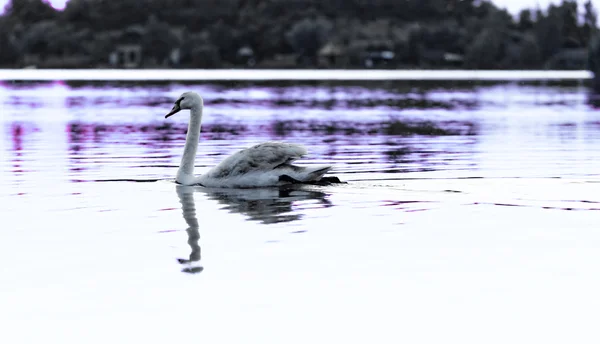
(440, 58)
(332, 54)
(378, 57)
(127, 52)
(128, 48)
(452, 59)
(378, 54)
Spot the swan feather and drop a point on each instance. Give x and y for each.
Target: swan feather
(262, 165)
(262, 157)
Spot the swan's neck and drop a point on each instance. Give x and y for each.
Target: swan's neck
(186, 168)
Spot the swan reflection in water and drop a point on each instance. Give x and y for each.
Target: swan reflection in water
(188, 206)
(268, 206)
(272, 205)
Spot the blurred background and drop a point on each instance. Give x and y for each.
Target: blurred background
(404, 34)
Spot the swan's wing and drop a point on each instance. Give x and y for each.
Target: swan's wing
(259, 158)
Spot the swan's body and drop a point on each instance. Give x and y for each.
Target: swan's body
(265, 164)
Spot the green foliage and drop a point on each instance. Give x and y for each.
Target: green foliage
(594, 55)
(199, 52)
(485, 52)
(223, 37)
(48, 37)
(548, 32)
(30, 11)
(525, 21)
(206, 56)
(529, 52)
(8, 48)
(98, 47)
(308, 35)
(158, 40)
(590, 18)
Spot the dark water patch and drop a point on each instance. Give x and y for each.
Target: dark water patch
(394, 127)
(29, 102)
(396, 86)
(400, 85)
(556, 83)
(224, 128)
(407, 206)
(80, 132)
(398, 155)
(119, 102)
(401, 203)
(506, 204)
(537, 206)
(412, 103)
(565, 125)
(133, 84)
(219, 101)
(407, 178)
(124, 180)
(398, 127)
(25, 84)
(392, 102)
(281, 99)
(551, 103)
(398, 103)
(500, 204)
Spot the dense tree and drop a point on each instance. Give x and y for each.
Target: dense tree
(308, 36)
(416, 30)
(158, 40)
(8, 47)
(529, 52)
(548, 32)
(590, 18)
(525, 20)
(594, 60)
(223, 37)
(30, 11)
(44, 38)
(486, 50)
(570, 30)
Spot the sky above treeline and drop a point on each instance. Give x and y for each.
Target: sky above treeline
(513, 6)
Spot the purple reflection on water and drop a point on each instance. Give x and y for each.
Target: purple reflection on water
(119, 130)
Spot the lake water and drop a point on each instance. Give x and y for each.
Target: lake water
(471, 214)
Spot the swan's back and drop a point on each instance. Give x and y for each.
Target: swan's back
(262, 165)
(262, 157)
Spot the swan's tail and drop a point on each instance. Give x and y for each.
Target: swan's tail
(315, 173)
(302, 174)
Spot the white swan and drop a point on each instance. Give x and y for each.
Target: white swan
(265, 164)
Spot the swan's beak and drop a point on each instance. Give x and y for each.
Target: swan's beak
(174, 110)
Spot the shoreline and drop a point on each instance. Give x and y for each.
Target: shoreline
(287, 74)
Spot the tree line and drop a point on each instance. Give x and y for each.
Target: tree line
(210, 33)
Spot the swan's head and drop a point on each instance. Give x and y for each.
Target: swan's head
(187, 100)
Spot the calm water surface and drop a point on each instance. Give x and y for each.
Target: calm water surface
(478, 223)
